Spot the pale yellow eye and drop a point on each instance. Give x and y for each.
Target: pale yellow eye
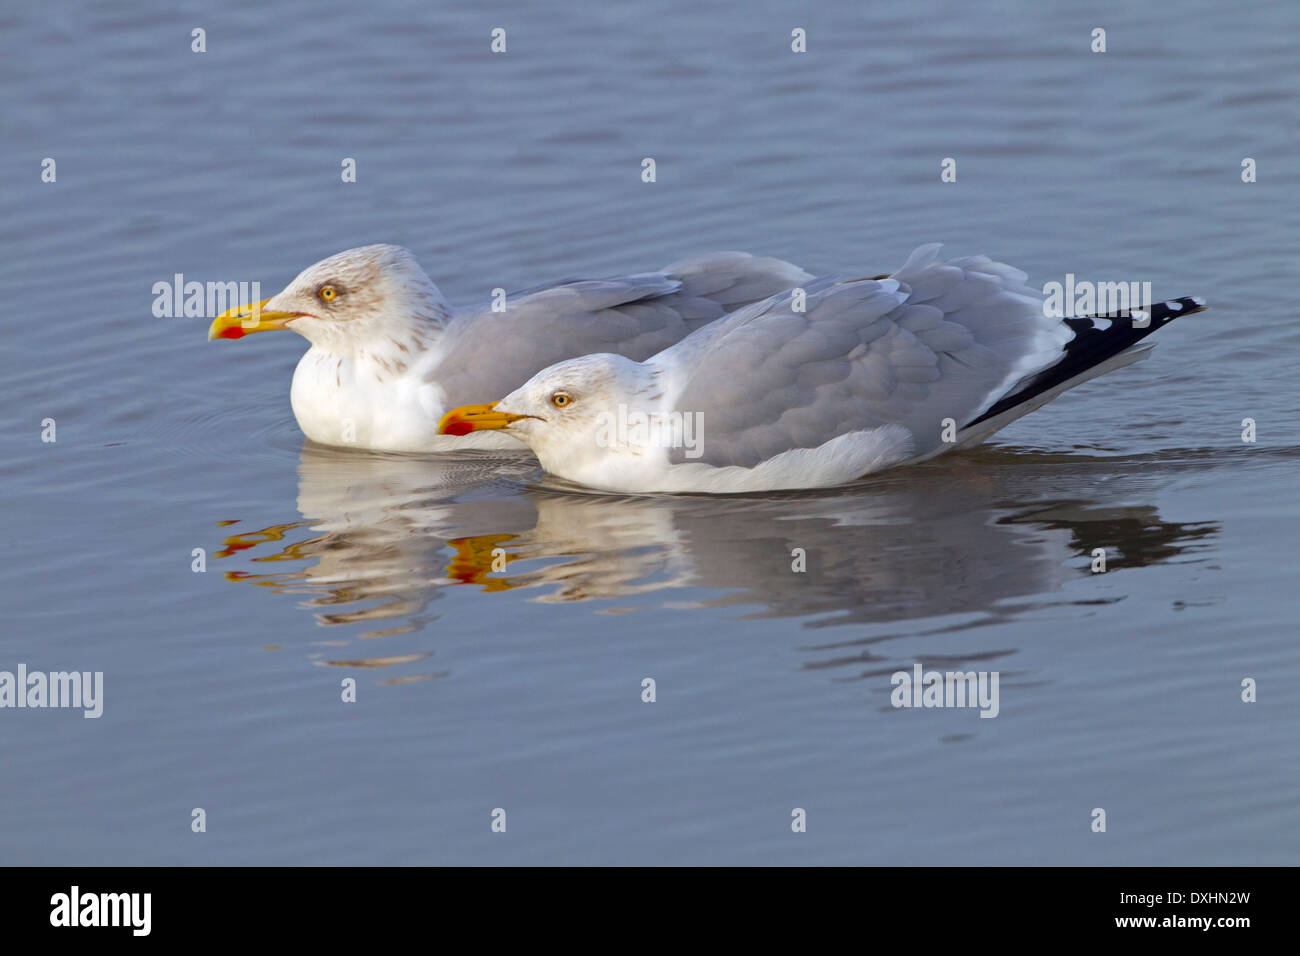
(561, 399)
(328, 293)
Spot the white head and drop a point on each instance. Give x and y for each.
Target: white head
(371, 297)
(569, 414)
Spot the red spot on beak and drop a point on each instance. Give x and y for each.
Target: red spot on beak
(234, 332)
(458, 428)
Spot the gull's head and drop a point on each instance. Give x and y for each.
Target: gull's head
(569, 413)
(347, 301)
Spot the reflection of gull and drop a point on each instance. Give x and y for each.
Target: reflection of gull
(379, 529)
(904, 551)
(389, 356)
(817, 387)
(955, 546)
(391, 534)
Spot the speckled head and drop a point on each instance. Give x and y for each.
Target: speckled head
(373, 296)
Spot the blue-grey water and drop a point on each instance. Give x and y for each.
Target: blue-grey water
(521, 689)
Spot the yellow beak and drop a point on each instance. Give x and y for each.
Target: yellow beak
(242, 320)
(476, 418)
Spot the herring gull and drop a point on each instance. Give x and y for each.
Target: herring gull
(869, 374)
(389, 356)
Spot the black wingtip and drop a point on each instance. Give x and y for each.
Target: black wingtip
(1093, 345)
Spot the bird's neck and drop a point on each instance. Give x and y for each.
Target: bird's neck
(393, 344)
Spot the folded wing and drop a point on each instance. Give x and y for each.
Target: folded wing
(937, 340)
(488, 354)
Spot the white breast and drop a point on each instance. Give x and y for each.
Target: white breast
(341, 401)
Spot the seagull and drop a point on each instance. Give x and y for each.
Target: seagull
(389, 356)
(819, 385)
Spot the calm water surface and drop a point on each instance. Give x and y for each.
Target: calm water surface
(521, 688)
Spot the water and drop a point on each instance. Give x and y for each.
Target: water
(521, 689)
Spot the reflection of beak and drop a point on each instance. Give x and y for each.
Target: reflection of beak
(476, 418)
(251, 539)
(474, 561)
(240, 321)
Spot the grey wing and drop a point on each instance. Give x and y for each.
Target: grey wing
(489, 354)
(937, 340)
(735, 279)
